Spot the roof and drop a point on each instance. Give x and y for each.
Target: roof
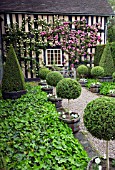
(92, 7)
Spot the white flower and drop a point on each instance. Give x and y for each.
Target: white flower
(100, 167)
(64, 116)
(97, 160)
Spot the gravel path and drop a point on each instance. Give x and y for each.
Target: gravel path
(78, 105)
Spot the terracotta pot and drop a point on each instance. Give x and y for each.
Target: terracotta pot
(72, 123)
(13, 95)
(56, 101)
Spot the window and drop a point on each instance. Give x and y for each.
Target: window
(54, 56)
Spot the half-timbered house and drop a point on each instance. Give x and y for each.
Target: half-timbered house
(15, 11)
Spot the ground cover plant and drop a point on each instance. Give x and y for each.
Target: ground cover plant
(33, 137)
(105, 87)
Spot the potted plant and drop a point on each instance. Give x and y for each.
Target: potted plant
(99, 119)
(43, 71)
(68, 88)
(111, 93)
(13, 83)
(96, 72)
(107, 63)
(82, 71)
(52, 79)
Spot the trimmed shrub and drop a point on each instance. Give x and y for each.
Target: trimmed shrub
(98, 53)
(106, 61)
(113, 76)
(43, 71)
(97, 71)
(68, 88)
(99, 118)
(13, 79)
(82, 70)
(53, 78)
(112, 46)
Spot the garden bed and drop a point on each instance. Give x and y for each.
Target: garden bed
(34, 138)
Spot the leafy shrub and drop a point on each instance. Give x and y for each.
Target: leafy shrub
(68, 88)
(106, 61)
(106, 87)
(98, 53)
(43, 71)
(53, 78)
(82, 70)
(97, 71)
(32, 136)
(99, 118)
(13, 79)
(113, 76)
(111, 29)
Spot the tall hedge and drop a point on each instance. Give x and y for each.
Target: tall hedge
(106, 61)
(13, 79)
(98, 53)
(112, 47)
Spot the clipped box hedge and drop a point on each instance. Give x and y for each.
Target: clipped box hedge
(99, 50)
(32, 136)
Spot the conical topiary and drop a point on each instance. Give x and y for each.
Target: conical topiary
(13, 79)
(106, 61)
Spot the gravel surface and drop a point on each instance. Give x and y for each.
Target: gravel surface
(79, 105)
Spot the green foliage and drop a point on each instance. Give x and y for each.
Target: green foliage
(82, 70)
(106, 61)
(106, 87)
(13, 79)
(33, 137)
(43, 71)
(97, 71)
(98, 53)
(53, 78)
(99, 118)
(112, 46)
(113, 76)
(68, 88)
(111, 29)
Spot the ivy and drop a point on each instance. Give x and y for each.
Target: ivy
(34, 138)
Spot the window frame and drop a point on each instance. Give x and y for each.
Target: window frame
(54, 49)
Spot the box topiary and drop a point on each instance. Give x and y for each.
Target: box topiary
(43, 71)
(99, 119)
(13, 79)
(53, 78)
(97, 71)
(68, 88)
(82, 70)
(106, 61)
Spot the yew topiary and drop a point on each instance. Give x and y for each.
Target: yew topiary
(13, 79)
(106, 61)
(97, 71)
(99, 119)
(113, 77)
(82, 70)
(43, 71)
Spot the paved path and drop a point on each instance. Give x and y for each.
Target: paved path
(92, 145)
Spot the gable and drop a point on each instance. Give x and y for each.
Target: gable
(92, 7)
